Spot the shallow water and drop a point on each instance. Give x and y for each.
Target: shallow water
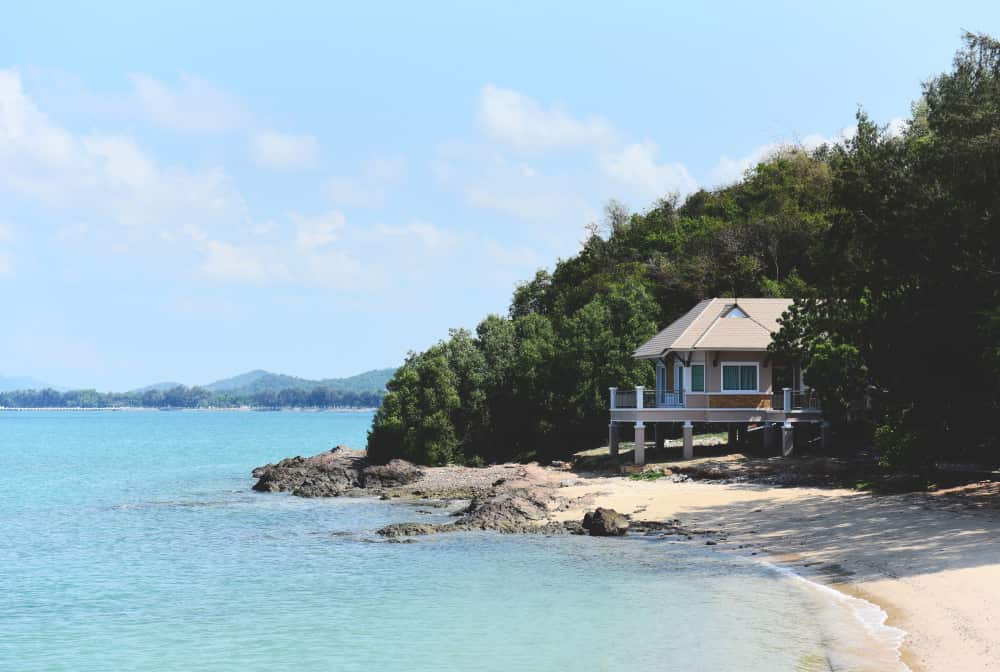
(131, 541)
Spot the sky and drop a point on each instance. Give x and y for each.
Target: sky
(189, 190)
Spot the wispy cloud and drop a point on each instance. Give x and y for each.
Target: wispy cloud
(370, 188)
(513, 118)
(283, 151)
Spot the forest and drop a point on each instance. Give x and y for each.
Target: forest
(192, 397)
(888, 242)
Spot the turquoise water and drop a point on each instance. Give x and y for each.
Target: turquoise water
(131, 541)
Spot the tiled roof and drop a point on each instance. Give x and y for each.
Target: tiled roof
(706, 327)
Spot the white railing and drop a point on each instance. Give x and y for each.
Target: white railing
(795, 400)
(641, 398)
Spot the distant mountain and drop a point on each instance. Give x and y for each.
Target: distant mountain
(23, 383)
(265, 381)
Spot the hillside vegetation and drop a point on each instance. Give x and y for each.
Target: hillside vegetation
(888, 242)
(259, 389)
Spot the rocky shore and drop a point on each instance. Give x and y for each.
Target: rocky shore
(506, 498)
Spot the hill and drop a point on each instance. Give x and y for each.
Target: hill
(264, 381)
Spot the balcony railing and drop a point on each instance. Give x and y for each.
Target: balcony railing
(630, 398)
(640, 398)
(795, 400)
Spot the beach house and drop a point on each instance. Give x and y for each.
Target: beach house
(713, 366)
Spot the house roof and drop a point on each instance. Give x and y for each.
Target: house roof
(707, 327)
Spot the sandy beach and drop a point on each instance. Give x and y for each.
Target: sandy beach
(932, 562)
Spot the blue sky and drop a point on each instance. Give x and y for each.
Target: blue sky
(188, 190)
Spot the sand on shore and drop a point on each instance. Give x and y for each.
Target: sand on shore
(932, 562)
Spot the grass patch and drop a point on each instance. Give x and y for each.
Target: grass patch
(648, 475)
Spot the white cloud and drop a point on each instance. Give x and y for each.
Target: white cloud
(230, 262)
(283, 151)
(518, 120)
(636, 165)
(27, 133)
(432, 238)
(124, 162)
(320, 230)
(191, 105)
(372, 187)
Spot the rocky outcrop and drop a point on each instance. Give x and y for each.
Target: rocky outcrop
(341, 471)
(605, 523)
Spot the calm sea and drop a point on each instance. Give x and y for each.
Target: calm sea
(132, 541)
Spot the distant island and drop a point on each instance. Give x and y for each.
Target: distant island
(255, 389)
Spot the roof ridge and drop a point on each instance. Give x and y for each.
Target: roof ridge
(700, 313)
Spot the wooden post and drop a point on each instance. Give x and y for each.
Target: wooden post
(786, 399)
(688, 440)
(638, 397)
(658, 435)
(732, 436)
(613, 438)
(614, 396)
(640, 443)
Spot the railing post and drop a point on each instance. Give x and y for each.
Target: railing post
(787, 400)
(614, 396)
(638, 397)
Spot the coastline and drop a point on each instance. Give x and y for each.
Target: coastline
(925, 566)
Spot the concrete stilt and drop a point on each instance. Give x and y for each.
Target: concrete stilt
(733, 439)
(826, 439)
(787, 439)
(640, 443)
(688, 441)
(658, 435)
(613, 439)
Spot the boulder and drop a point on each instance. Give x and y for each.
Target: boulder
(605, 523)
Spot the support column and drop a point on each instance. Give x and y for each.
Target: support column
(640, 443)
(688, 440)
(658, 435)
(787, 439)
(613, 438)
(732, 436)
(827, 438)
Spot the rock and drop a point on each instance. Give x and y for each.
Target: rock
(411, 529)
(396, 472)
(514, 511)
(605, 523)
(334, 473)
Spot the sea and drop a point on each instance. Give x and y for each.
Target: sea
(132, 541)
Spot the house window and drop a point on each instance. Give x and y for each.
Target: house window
(736, 312)
(697, 377)
(739, 377)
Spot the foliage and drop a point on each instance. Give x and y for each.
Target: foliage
(902, 322)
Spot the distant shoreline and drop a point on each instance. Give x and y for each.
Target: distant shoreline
(211, 409)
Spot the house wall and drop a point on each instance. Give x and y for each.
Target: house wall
(713, 374)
